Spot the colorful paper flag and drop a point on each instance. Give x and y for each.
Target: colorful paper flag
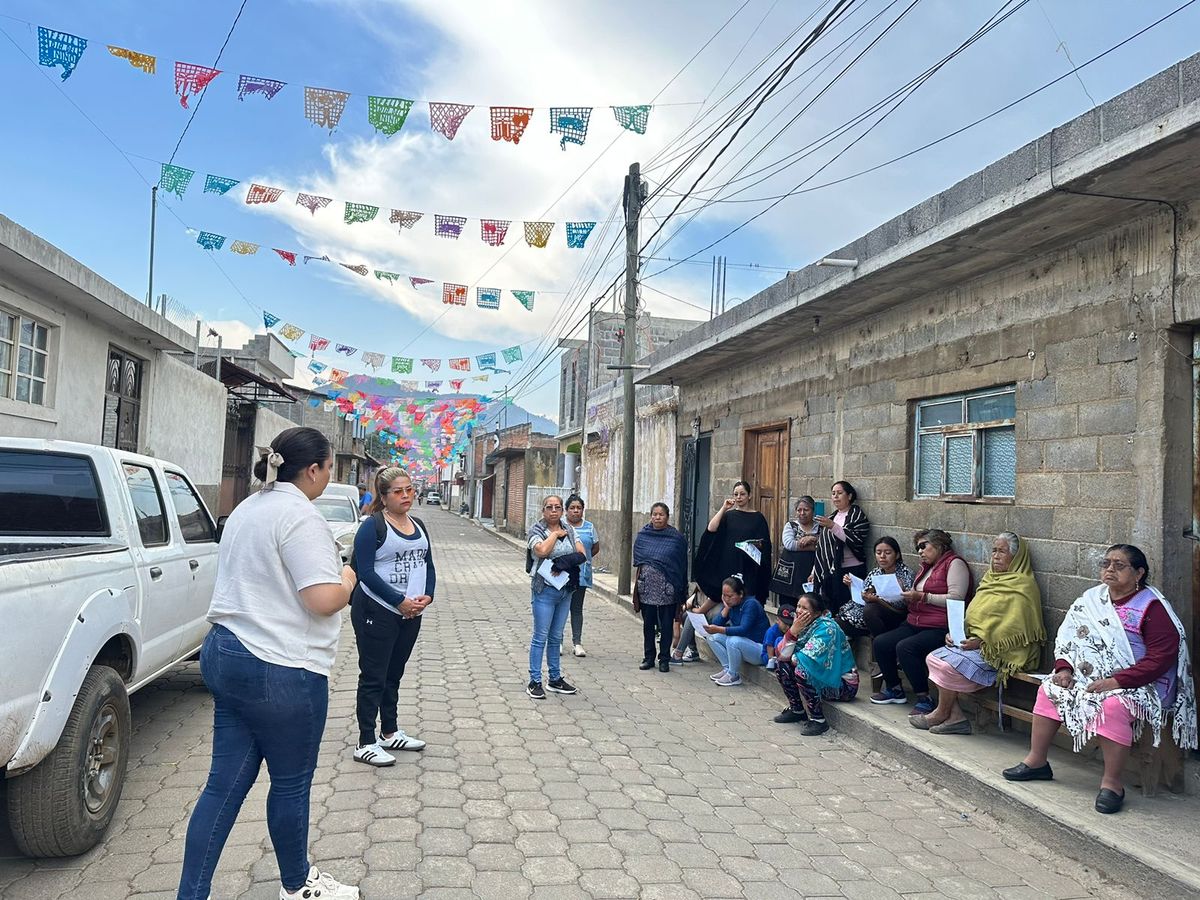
(374, 360)
(432, 364)
(324, 107)
(316, 343)
(526, 298)
(632, 118)
(359, 212)
(454, 294)
(433, 387)
(318, 367)
(357, 270)
(417, 282)
(461, 365)
(346, 351)
(445, 118)
(216, 184)
(480, 377)
(448, 226)
(487, 298)
(510, 122)
(291, 332)
(512, 354)
(192, 79)
(388, 114)
(486, 360)
(288, 256)
(402, 365)
(405, 218)
(245, 248)
(143, 61)
(57, 48)
(577, 234)
(456, 384)
(337, 376)
(571, 122)
(537, 234)
(493, 231)
(210, 241)
(260, 193)
(318, 258)
(269, 320)
(175, 179)
(390, 277)
(312, 203)
(251, 84)
(408, 385)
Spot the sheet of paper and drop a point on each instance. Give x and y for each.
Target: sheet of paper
(856, 589)
(751, 550)
(546, 571)
(956, 612)
(887, 587)
(698, 622)
(808, 587)
(416, 582)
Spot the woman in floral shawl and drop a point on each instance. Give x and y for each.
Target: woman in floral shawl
(822, 665)
(1004, 635)
(1122, 664)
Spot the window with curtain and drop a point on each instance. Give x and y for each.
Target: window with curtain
(965, 446)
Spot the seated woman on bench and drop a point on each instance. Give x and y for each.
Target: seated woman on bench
(1004, 636)
(1121, 665)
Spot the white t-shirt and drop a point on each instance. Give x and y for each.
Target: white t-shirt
(274, 545)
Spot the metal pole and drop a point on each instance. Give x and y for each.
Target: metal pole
(196, 351)
(220, 344)
(634, 194)
(153, 214)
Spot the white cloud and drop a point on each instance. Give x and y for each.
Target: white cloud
(233, 332)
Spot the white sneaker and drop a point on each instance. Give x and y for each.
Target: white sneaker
(772, 664)
(690, 655)
(373, 755)
(320, 886)
(717, 676)
(401, 741)
(579, 651)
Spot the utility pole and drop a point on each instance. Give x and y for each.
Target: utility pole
(153, 213)
(634, 195)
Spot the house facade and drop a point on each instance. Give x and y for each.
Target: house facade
(81, 360)
(1016, 353)
(506, 466)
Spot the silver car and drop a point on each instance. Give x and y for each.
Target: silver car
(341, 514)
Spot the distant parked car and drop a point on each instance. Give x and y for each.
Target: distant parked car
(433, 497)
(343, 490)
(341, 514)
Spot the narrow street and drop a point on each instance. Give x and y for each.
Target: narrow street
(642, 785)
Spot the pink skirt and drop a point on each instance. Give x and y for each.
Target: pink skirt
(1117, 725)
(949, 678)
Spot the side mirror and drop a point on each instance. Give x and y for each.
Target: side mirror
(221, 527)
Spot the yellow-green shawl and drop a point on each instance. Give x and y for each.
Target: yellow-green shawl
(1006, 615)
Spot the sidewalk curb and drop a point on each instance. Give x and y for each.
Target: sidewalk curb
(1066, 832)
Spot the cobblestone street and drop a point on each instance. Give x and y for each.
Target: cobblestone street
(642, 785)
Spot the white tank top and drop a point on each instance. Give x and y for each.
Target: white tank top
(401, 563)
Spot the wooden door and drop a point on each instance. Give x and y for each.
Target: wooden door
(765, 466)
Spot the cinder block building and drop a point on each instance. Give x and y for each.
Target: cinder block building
(1015, 353)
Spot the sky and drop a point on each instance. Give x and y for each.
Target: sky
(79, 156)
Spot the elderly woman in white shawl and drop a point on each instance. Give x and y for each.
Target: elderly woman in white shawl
(1121, 665)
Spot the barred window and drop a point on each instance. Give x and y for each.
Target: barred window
(966, 446)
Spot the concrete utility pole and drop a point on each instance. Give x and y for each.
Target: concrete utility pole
(634, 195)
(153, 215)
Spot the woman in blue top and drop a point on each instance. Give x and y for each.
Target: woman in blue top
(736, 634)
(396, 578)
(585, 532)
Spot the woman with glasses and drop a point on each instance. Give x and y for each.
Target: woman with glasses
(393, 556)
(554, 541)
(942, 576)
(1121, 665)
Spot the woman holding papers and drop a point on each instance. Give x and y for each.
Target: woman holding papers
(797, 553)
(555, 557)
(882, 592)
(943, 576)
(660, 554)
(841, 545)
(1003, 635)
(394, 558)
(737, 539)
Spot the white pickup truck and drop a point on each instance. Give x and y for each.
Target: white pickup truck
(107, 566)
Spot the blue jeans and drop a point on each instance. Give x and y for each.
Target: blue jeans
(262, 711)
(551, 607)
(731, 652)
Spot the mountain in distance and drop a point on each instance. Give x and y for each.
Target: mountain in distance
(496, 411)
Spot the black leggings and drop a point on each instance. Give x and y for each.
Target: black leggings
(577, 614)
(662, 618)
(834, 590)
(385, 642)
(907, 645)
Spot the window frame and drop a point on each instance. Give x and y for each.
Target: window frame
(162, 505)
(169, 474)
(964, 427)
(10, 358)
(105, 532)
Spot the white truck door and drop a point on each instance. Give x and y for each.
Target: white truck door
(162, 570)
(199, 535)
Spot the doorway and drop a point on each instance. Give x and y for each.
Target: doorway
(695, 493)
(765, 466)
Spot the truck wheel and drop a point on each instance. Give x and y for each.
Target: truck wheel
(63, 806)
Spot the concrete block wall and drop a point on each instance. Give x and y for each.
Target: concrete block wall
(1103, 399)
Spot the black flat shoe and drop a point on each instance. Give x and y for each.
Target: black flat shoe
(664, 666)
(646, 664)
(1022, 772)
(1108, 801)
(790, 715)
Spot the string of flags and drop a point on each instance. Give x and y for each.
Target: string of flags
(453, 294)
(324, 107)
(175, 180)
(486, 363)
